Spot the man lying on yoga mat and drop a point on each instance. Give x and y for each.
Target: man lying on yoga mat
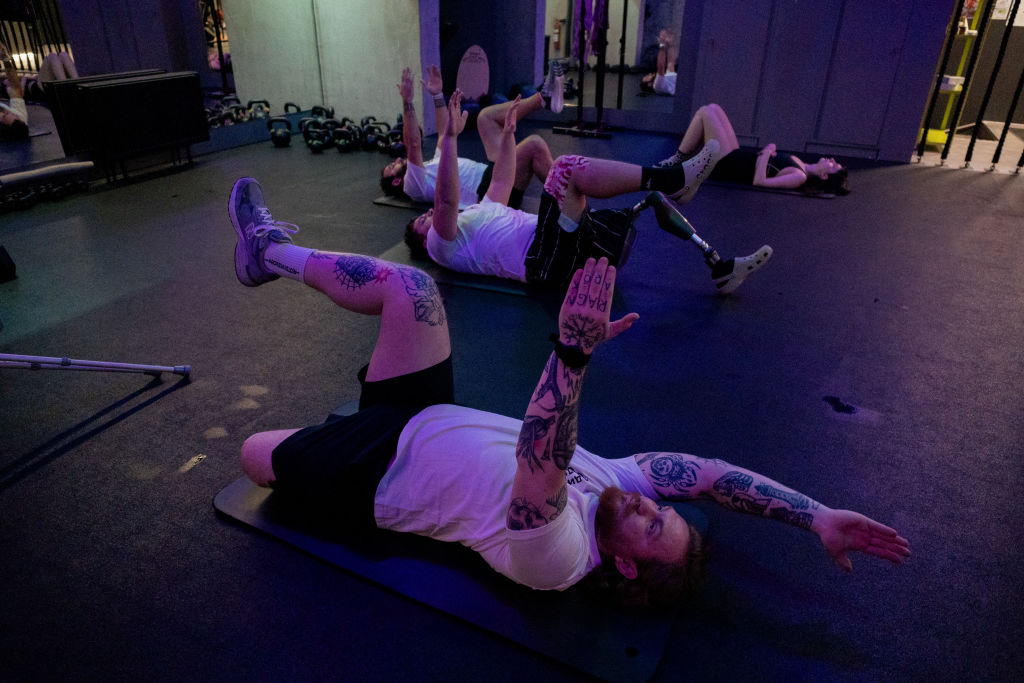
(491, 238)
(413, 177)
(764, 168)
(538, 508)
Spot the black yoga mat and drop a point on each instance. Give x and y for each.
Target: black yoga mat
(775, 190)
(400, 254)
(563, 625)
(402, 203)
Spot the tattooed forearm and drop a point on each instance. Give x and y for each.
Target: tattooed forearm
(671, 471)
(797, 519)
(744, 502)
(532, 436)
(426, 300)
(565, 437)
(733, 481)
(549, 385)
(522, 514)
(796, 501)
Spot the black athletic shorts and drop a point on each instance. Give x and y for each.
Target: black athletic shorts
(555, 254)
(334, 467)
(485, 181)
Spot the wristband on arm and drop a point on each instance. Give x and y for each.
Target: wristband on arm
(571, 357)
(439, 100)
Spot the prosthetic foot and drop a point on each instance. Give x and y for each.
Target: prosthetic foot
(730, 274)
(672, 221)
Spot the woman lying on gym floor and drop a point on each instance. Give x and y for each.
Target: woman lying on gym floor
(764, 168)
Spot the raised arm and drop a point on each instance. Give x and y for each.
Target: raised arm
(503, 175)
(548, 437)
(446, 189)
(788, 178)
(435, 88)
(411, 136)
(678, 476)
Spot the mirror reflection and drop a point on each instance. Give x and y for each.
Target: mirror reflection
(641, 41)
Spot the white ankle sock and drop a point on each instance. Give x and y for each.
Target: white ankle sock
(286, 260)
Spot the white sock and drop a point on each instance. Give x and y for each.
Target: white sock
(286, 260)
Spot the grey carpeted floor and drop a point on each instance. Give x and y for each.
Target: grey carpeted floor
(903, 299)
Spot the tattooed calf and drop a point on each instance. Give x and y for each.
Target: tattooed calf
(797, 519)
(796, 501)
(522, 514)
(672, 470)
(426, 300)
(733, 481)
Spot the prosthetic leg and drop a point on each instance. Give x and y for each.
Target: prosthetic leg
(728, 274)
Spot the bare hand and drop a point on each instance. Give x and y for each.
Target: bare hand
(456, 117)
(583, 322)
(769, 149)
(511, 116)
(405, 88)
(845, 530)
(433, 84)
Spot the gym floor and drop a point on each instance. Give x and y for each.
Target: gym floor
(901, 300)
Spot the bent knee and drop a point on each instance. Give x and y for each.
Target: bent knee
(257, 454)
(559, 178)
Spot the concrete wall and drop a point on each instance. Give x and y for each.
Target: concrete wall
(347, 55)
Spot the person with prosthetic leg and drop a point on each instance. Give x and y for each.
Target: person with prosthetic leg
(412, 461)
(728, 274)
(545, 249)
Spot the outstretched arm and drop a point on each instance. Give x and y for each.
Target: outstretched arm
(411, 137)
(548, 437)
(503, 175)
(678, 476)
(435, 88)
(787, 179)
(446, 189)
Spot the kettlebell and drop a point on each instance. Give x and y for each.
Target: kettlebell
(291, 105)
(315, 135)
(280, 136)
(258, 109)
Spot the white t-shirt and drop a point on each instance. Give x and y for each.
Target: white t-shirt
(17, 107)
(452, 481)
(420, 181)
(491, 239)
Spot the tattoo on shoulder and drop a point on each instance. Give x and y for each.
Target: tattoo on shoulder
(354, 272)
(671, 470)
(426, 299)
(797, 501)
(522, 514)
(731, 482)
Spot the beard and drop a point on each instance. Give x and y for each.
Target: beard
(609, 513)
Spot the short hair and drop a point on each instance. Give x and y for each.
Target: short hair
(17, 130)
(388, 186)
(834, 183)
(658, 585)
(416, 242)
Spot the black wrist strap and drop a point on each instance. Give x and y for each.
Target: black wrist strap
(571, 357)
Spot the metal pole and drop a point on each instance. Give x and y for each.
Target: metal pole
(8, 360)
(950, 35)
(622, 54)
(991, 83)
(1013, 106)
(967, 79)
